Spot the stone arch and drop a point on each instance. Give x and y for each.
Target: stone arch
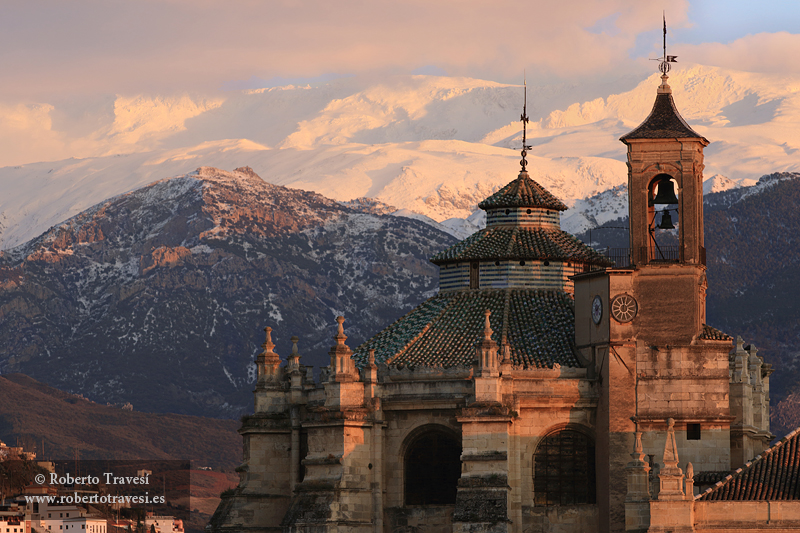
(564, 470)
(431, 465)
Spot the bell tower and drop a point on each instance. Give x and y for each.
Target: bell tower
(665, 209)
(665, 184)
(642, 324)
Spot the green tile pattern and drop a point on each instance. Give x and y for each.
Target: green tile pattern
(395, 337)
(520, 243)
(444, 330)
(523, 192)
(542, 329)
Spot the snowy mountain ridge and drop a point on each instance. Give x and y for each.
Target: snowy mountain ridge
(159, 296)
(431, 146)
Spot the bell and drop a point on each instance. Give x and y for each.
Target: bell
(666, 220)
(666, 192)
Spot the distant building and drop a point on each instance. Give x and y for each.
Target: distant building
(50, 517)
(163, 524)
(10, 524)
(544, 388)
(13, 520)
(15, 453)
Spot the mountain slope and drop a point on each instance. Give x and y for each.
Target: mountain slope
(36, 415)
(158, 297)
(754, 279)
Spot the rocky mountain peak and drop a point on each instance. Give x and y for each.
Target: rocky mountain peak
(158, 296)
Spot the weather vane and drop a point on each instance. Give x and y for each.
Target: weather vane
(524, 118)
(665, 59)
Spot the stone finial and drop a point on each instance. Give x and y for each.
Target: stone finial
(294, 357)
(370, 375)
(268, 344)
(296, 373)
(671, 477)
(755, 364)
(268, 355)
(740, 369)
(664, 88)
(487, 327)
(488, 364)
(505, 350)
(340, 337)
(670, 448)
(638, 449)
(267, 362)
(342, 365)
(638, 472)
(689, 481)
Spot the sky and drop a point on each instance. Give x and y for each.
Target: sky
(85, 78)
(85, 48)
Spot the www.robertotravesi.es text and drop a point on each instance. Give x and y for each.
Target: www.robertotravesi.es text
(95, 498)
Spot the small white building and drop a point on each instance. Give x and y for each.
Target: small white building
(13, 520)
(163, 524)
(13, 524)
(85, 524)
(69, 518)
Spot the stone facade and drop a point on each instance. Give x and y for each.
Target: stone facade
(512, 400)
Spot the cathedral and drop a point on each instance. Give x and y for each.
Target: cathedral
(545, 388)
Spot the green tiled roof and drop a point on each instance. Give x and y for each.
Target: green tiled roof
(520, 242)
(522, 192)
(444, 330)
(714, 334)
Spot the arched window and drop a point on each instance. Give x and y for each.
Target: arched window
(563, 469)
(432, 466)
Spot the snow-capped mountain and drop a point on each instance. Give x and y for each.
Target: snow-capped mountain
(158, 297)
(612, 204)
(719, 183)
(437, 179)
(432, 146)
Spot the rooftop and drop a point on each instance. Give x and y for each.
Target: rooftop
(443, 331)
(519, 242)
(713, 334)
(522, 192)
(664, 121)
(773, 475)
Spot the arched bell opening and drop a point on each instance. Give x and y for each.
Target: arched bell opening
(432, 467)
(663, 218)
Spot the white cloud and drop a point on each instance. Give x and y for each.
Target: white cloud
(773, 53)
(131, 47)
(26, 134)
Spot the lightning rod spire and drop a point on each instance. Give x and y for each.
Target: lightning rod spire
(524, 119)
(665, 60)
(664, 18)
